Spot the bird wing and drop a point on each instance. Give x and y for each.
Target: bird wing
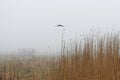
(60, 25)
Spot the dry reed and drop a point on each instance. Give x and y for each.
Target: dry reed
(95, 59)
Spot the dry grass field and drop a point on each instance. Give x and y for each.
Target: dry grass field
(95, 59)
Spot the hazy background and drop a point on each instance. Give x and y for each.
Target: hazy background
(31, 24)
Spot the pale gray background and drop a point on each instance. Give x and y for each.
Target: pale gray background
(31, 23)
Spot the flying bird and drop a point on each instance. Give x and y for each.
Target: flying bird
(60, 25)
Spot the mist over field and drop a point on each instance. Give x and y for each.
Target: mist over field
(59, 40)
(31, 24)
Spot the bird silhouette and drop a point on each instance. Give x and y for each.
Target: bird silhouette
(60, 25)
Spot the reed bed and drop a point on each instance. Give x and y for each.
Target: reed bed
(95, 58)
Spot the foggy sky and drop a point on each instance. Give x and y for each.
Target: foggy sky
(31, 23)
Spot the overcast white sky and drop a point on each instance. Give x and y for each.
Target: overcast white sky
(31, 23)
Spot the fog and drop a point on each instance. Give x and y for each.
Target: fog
(31, 24)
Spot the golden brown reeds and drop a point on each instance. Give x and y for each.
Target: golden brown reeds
(92, 59)
(96, 59)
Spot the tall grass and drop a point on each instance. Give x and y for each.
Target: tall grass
(92, 59)
(97, 59)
